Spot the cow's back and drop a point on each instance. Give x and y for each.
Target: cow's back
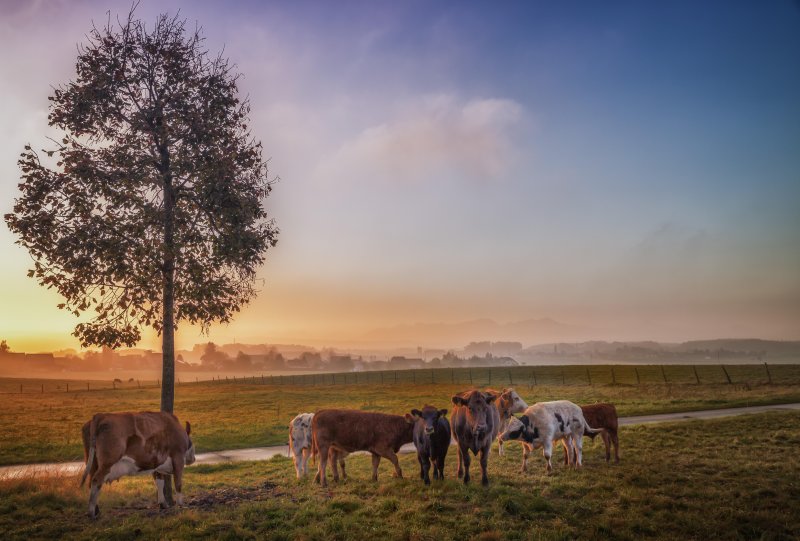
(152, 433)
(352, 430)
(601, 416)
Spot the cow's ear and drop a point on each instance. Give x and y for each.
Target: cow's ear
(188, 428)
(443, 412)
(524, 419)
(409, 419)
(490, 397)
(416, 413)
(458, 401)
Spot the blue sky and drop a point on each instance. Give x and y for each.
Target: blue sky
(628, 166)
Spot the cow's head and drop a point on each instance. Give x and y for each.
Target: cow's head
(429, 415)
(509, 403)
(477, 405)
(521, 428)
(189, 456)
(302, 421)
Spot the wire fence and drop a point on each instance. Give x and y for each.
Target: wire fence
(530, 376)
(755, 374)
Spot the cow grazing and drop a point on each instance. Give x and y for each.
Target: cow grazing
(546, 422)
(347, 431)
(602, 416)
(120, 444)
(508, 402)
(475, 426)
(432, 440)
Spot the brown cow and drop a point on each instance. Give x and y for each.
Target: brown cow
(475, 423)
(119, 444)
(602, 416)
(346, 431)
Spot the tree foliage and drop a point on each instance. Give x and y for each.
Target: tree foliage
(153, 193)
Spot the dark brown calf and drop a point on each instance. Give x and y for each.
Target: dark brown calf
(602, 416)
(120, 444)
(475, 423)
(348, 431)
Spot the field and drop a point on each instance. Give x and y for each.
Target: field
(733, 478)
(45, 426)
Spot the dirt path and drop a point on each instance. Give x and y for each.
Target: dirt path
(66, 469)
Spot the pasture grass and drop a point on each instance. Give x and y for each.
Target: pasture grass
(47, 427)
(732, 478)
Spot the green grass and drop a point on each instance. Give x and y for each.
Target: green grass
(45, 427)
(733, 478)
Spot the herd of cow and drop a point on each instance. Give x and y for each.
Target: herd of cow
(119, 444)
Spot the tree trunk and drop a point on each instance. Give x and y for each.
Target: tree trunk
(168, 320)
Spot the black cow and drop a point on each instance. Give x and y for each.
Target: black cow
(432, 440)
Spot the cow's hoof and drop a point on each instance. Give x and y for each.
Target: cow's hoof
(427, 481)
(485, 482)
(466, 480)
(93, 516)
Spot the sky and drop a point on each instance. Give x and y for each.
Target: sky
(628, 167)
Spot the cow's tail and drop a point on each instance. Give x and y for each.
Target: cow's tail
(91, 449)
(314, 449)
(590, 430)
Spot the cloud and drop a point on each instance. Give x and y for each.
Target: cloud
(432, 136)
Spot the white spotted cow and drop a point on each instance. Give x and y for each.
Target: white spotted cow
(547, 422)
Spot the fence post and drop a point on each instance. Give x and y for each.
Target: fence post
(533, 373)
(67, 387)
(769, 376)
(20, 388)
(563, 380)
(588, 375)
(490, 375)
(87, 387)
(431, 375)
(42, 388)
(727, 376)
(510, 379)
(381, 377)
(613, 376)
(636, 371)
(114, 385)
(663, 374)
(452, 376)
(414, 375)
(696, 377)
(470, 376)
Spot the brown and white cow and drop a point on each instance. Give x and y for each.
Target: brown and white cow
(508, 402)
(348, 431)
(120, 444)
(602, 416)
(475, 423)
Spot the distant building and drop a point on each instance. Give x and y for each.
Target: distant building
(403, 363)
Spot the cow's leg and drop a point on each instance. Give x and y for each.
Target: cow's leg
(526, 452)
(615, 440)
(376, 459)
(304, 466)
(547, 451)
(460, 462)
(566, 452)
(499, 446)
(162, 500)
(96, 484)
(441, 466)
(426, 468)
(177, 472)
(577, 445)
(607, 443)
(334, 465)
(392, 457)
(466, 460)
(484, 463)
(340, 457)
(421, 459)
(323, 464)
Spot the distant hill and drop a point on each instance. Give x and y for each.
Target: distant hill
(452, 334)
